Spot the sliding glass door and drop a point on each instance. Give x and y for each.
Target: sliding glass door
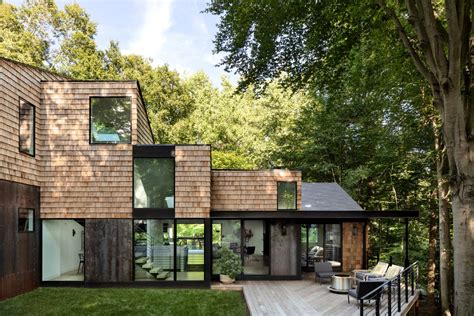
(321, 242)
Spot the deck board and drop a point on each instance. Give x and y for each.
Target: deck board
(301, 297)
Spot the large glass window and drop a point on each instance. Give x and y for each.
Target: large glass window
(154, 250)
(256, 247)
(63, 250)
(27, 128)
(190, 248)
(110, 121)
(225, 234)
(26, 219)
(286, 195)
(321, 242)
(153, 183)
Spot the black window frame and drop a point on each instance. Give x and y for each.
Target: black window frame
(21, 102)
(18, 220)
(296, 196)
(90, 118)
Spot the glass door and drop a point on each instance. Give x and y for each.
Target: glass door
(256, 246)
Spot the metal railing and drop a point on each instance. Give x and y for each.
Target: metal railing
(390, 297)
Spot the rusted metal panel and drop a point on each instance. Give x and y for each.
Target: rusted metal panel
(19, 251)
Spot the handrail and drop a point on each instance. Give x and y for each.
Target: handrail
(411, 272)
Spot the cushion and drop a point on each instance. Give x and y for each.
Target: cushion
(325, 274)
(352, 292)
(148, 265)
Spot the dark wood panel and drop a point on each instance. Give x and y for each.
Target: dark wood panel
(19, 252)
(284, 248)
(108, 250)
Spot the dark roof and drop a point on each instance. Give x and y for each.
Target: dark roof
(326, 197)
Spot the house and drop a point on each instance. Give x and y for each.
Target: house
(86, 197)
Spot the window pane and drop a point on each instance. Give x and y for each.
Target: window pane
(153, 182)
(154, 250)
(225, 234)
(287, 195)
(26, 217)
(110, 120)
(256, 247)
(190, 250)
(63, 250)
(332, 249)
(27, 133)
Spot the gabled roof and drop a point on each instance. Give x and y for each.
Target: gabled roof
(327, 196)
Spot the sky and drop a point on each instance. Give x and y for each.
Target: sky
(174, 32)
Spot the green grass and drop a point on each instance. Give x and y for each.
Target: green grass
(124, 301)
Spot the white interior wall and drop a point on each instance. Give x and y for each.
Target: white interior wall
(257, 239)
(60, 249)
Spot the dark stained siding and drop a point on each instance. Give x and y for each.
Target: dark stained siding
(19, 268)
(108, 250)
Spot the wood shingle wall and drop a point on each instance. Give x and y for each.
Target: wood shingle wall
(193, 181)
(250, 190)
(19, 81)
(80, 180)
(352, 251)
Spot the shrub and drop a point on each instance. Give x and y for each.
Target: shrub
(229, 262)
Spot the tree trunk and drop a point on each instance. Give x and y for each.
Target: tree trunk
(444, 229)
(462, 188)
(444, 245)
(431, 268)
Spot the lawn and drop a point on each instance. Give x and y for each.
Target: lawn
(124, 301)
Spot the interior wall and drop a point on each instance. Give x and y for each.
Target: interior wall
(60, 248)
(257, 239)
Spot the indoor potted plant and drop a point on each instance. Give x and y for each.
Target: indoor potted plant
(229, 264)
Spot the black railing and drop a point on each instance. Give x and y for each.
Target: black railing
(390, 297)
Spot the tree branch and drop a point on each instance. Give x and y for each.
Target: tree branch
(420, 66)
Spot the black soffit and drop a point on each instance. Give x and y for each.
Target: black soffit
(314, 214)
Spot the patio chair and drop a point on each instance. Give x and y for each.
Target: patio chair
(377, 272)
(391, 273)
(363, 288)
(322, 270)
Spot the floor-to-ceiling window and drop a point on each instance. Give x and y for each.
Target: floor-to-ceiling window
(225, 234)
(321, 242)
(153, 245)
(190, 250)
(63, 250)
(256, 247)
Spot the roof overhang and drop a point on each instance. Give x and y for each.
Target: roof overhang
(308, 215)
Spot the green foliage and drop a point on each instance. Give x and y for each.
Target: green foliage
(229, 262)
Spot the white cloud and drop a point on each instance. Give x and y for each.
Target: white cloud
(151, 35)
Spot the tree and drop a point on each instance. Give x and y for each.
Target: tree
(309, 39)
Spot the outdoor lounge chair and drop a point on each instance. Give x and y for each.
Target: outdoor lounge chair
(322, 270)
(377, 272)
(391, 273)
(363, 288)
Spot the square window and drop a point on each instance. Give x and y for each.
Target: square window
(26, 219)
(153, 183)
(27, 128)
(110, 120)
(286, 196)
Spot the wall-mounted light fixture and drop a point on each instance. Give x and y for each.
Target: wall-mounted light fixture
(73, 232)
(355, 231)
(283, 229)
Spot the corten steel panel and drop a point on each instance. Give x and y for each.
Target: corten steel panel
(108, 250)
(19, 268)
(352, 245)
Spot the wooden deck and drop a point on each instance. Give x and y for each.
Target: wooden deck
(302, 297)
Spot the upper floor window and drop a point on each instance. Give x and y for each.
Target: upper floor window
(286, 196)
(153, 181)
(27, 128)
(26, 218)
(110, 120)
